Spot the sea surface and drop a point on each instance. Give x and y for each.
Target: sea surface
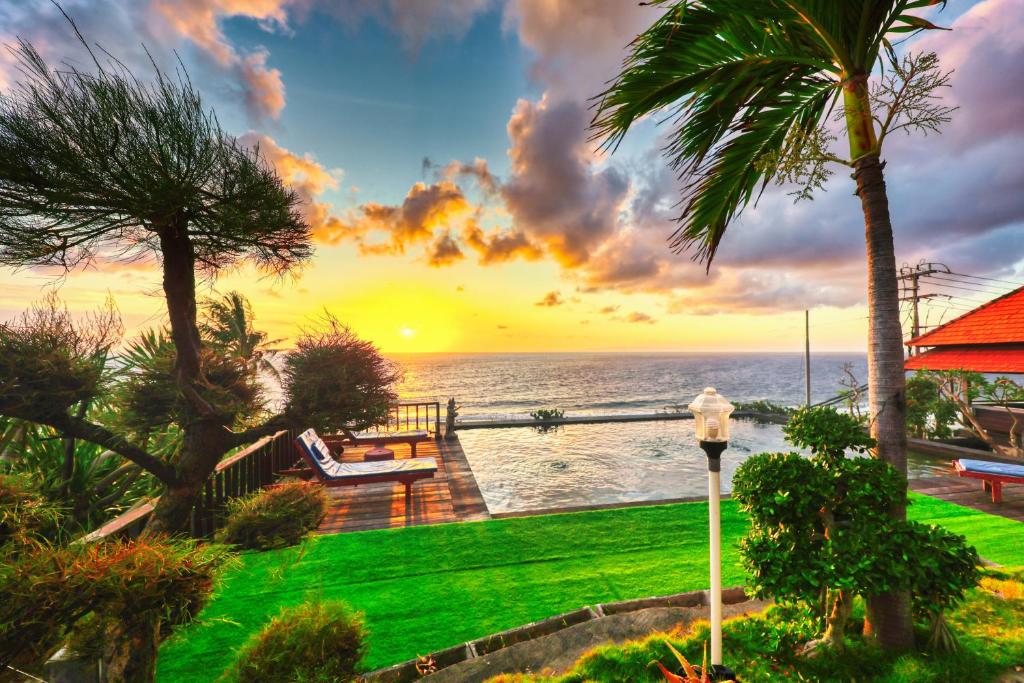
(488, 386)
(524, 468)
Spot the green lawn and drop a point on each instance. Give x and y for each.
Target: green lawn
(425, 588)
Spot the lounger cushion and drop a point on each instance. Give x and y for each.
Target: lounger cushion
(412, 434)
(332, 469)
(996, 468)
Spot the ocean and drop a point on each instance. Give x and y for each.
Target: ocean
(501, 385)
(527, 469)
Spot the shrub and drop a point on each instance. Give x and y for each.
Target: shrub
(275, 517)
(821, 532)
(313, 642)
(25, 515)
(132, 592)
(929, 414)
(547, 414)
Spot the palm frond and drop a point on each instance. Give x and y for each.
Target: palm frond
(736, 78)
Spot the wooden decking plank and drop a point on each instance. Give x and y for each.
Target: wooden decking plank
(451, 496)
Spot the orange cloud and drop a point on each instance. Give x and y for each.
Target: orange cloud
(551, 299)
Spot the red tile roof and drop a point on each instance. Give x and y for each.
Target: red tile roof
(1008, 360)
(1000, 321)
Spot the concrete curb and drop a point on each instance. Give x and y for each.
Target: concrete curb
(406, 671)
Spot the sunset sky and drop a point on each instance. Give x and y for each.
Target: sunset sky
(441, 150)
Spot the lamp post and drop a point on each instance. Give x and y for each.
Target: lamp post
(711, 423)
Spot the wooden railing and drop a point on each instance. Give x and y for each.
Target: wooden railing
(246, 471)
(412, 415)
(253, 468)
(243, 473)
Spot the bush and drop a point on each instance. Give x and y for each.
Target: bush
(125, 594)
(25, 515)
(547, 414)
(275, 517)
(929, 414)
(821, 532)
(313, 642)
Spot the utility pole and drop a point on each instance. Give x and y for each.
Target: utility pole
(807, 355)
(912, 291)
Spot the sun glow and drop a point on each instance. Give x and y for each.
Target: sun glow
(407, 332)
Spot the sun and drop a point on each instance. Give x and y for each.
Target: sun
(407, 332)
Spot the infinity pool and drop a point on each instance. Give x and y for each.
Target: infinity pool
(521, 468)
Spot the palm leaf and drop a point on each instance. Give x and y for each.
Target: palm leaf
(735, 79)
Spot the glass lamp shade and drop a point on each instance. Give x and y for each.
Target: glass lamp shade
(711, 416)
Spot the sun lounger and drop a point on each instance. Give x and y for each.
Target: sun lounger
(992, 474)
(329, 472)
(380, 439)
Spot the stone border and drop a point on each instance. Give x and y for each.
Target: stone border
(406, 671)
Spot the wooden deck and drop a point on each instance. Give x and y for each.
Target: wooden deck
(969, 493)
(451, 496)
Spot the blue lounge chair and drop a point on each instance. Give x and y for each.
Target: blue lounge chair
(329, 472)
(992, 474)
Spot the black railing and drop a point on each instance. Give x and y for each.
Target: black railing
(413, 415)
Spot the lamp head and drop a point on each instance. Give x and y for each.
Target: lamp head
(711, 416)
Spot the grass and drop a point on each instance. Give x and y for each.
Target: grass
(989, 626)
(426, 588)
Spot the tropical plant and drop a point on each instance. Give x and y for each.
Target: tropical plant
(749, 88)
(929, 414)
(821, 533)
(313, 642)
(547, 414)
(101, 165)
(962, 389)
(227, 325)
(276, 517)
(764, 407)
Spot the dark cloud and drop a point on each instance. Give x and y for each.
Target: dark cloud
(551, 299)
(608, 310)
(555, 193)
(443, 251)
(499, 246)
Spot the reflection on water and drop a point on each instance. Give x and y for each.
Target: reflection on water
(524, 469)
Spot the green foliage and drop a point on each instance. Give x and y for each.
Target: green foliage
(151, 399)
(227, 325)
(105, 160)
(50, 362)
(764, 648)
(547, 414)
(24, 515)
(764, 407)
(275, 517)
(333, 378)
(930, 415)
(747, 88)
(940, 568)
(315, 642)
(821, 528)
(827, 433)
(49, 588)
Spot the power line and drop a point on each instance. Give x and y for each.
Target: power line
(990, 279)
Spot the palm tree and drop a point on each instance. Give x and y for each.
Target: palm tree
(227, 326)
(748, 87)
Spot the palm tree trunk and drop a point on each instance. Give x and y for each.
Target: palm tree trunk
(889, 617)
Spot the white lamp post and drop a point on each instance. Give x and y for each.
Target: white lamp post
(711, 423)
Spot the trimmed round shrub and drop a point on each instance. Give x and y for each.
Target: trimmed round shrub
(313, 642)
(276, 517)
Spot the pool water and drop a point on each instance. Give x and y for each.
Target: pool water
(522, 468)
